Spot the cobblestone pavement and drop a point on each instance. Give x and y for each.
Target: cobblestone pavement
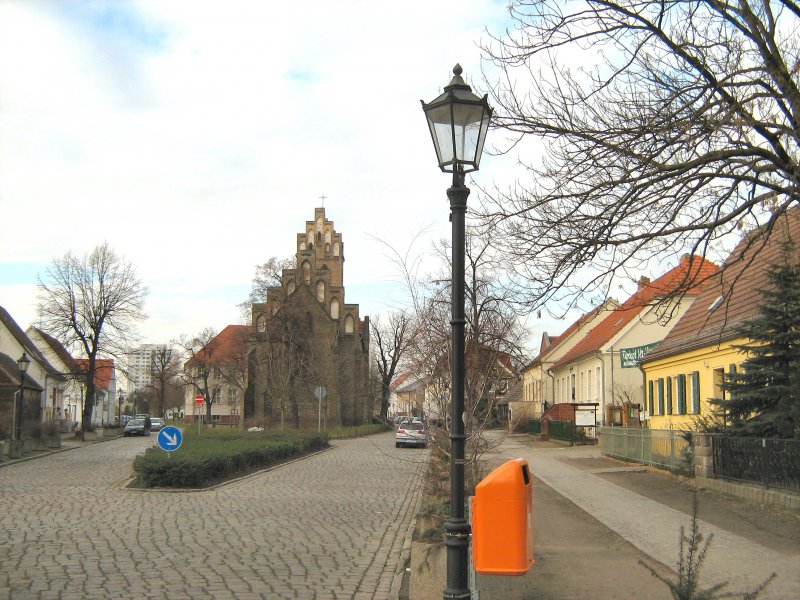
(333, 525)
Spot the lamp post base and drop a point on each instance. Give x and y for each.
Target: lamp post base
(15, 448)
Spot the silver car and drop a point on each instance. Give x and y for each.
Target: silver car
(411, 434)
(156, 424)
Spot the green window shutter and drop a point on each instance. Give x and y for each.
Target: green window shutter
(650, 397)
(696, 392)
(661, 396)
(681, 394)
(669, 395)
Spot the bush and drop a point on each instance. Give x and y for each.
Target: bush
(211, 456)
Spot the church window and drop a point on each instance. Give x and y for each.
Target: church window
(328, 237)
(327, 248)
(335, 308)
(321, 291)
(306, 272)
(302, 245)
(348, 324)
(310, 237)
(290, 287)
(319, 224)
(261, 324)
(336, 249)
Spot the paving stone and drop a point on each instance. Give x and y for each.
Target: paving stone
(328, 526)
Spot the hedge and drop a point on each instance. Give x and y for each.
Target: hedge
(214, 455)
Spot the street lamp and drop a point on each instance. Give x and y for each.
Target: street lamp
(23, 364)
(458, 121)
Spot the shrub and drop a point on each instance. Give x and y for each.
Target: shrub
(211, 456)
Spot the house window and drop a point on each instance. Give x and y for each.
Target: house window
(696, 392)
(681, 384)
(572, 387)
(232, 396)
(650, 397)
(588, 384)
(660, 385)
(217, 397)
(669, 395)
(599, 393)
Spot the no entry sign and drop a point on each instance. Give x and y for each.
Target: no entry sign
(199, 399)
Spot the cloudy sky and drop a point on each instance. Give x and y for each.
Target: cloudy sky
(196, 137)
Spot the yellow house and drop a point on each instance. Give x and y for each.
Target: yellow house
(686, 370)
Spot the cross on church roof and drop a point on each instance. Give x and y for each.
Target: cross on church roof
(323, 197)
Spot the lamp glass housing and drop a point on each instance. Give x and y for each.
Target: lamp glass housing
(23, 363)
(458, 121)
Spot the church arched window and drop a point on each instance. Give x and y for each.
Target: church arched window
(349, 324)
(319, 224)
(336, 249)
(306, 272)
(335, 308)
(261, 324)
(290, 287)
(321, 291)
(327, 248)
(328, 237)
(302, 245)
(310, 237)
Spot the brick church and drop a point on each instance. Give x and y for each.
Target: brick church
(311, 354)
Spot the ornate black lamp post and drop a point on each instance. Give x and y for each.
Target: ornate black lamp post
(458, 121)
(23, 364)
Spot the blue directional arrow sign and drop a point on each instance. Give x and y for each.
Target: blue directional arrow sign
(170, 438)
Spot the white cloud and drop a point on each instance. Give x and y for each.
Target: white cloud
(197, 137)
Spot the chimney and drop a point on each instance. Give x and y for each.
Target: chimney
(643, 282)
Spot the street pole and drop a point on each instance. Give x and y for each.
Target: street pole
(458, 121)
(457, 528)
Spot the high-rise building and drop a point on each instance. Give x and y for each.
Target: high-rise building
(140, 366)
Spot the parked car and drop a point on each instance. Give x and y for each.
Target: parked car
(134, 427)
(411, 434)
(156, 424)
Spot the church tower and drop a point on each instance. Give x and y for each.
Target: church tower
(309, 337)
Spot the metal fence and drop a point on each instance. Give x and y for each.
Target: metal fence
(769, 462)
(663, 448)
(562, 430)
(534, 426)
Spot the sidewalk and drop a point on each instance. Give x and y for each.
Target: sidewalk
(68, 442)
(653, 527)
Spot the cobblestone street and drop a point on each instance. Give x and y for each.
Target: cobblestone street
(333, 525)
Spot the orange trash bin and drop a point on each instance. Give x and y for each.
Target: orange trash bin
(502, 521)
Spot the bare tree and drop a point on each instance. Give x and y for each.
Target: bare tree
(93, 302)
(165, 369)
(680, 127)
(268, 275)
(216, 361)
(392, 337)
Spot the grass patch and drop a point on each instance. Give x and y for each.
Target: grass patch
(214, 455)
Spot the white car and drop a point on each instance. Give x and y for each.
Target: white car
(411, 434)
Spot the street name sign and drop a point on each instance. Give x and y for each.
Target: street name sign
(170, 438)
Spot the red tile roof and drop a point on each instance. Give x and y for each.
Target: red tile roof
(689, 269)
(226, 345)
(103, 370)
(735, 290)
